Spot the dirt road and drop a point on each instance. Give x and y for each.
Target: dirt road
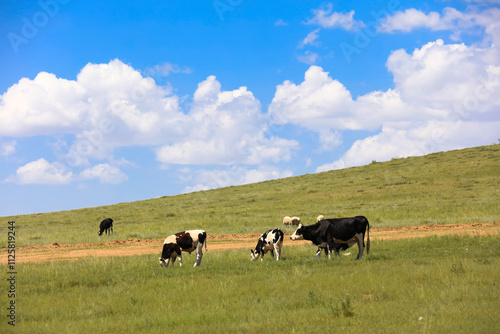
(59, 252)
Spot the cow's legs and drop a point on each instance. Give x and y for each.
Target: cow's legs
(361, 247)
(199, 255)
(277, 248)
(179, 257)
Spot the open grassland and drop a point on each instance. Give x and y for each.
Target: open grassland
(451, 283)
(450, 187)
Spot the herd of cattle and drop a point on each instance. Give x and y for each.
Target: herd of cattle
(334, 234)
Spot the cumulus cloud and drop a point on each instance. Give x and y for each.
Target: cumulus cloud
(440, 76)
(434, 136)
(109, 97)
(110, 106)
(105, 173)
(42, 172)
(326, 18)
(228, 128)
(445, 96)
(322, 103)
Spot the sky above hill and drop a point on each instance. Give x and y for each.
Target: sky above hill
(115, 101)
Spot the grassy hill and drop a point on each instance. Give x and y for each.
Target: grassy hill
(450, 187)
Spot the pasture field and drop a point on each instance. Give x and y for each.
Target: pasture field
(450, 283)
(443, 188)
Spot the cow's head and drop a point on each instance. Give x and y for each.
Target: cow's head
(99, 233)
(163, 262)
(298, 234)
(254, 254)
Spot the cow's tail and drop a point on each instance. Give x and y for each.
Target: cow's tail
(280, 237)
(368, 238)
(206, 239)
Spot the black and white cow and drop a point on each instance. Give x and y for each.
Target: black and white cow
(336, 234)
(185, 241)
(106, 224)
(271, 240)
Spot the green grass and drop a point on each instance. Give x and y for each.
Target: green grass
(452, 282)
(451, 187)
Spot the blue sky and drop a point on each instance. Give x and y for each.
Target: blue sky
(117, 101)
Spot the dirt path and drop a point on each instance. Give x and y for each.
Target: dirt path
(58, 252)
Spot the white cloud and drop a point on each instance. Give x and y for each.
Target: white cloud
(165, 69)
(329, 139)
(109, 105)
(232, 175)
(310, 39)
(445, 96)
(450, 19)
(280, 23)
(309, 58)
(411, 19)
(228, 128)
(105, 173)
(444, 76)
(326, 18)
(322, 103)
(7, 147)
(112, 105)
(434, 136)
(41, 172)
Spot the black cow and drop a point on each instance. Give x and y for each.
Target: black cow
(106, 224)
(185, 241)
(336, 234)
(271, 240)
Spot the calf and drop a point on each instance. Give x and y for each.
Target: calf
(337, 247)
(337, 234)
(106, 224)
(271, 240)
(185, 241)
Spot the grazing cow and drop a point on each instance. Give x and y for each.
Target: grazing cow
(336, 234)
(106, 224)
(185, 241)
(271, 240)
(336, 247)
